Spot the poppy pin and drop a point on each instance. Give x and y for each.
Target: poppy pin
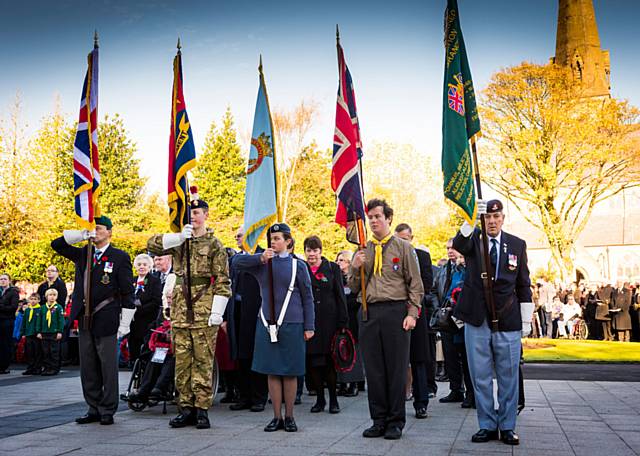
(396, 263)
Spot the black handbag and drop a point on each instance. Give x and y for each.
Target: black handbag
(441, 319)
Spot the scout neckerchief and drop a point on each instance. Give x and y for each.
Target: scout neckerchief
(377, 262)
(49, 308)
(33, 310)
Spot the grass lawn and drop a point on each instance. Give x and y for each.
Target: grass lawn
(580, 350)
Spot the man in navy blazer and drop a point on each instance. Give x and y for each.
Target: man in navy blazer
(487, 349)
(112, 308)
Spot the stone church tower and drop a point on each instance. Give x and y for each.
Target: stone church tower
(578, 47)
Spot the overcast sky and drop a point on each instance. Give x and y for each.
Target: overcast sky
(393, 49)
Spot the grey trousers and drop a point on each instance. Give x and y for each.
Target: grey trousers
(385, 349)
(99, 372)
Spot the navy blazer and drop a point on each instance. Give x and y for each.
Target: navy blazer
(512, 286)
(117, 284)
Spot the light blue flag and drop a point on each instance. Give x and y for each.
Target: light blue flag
(260, 198)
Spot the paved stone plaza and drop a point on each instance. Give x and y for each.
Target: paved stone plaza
(561, 417)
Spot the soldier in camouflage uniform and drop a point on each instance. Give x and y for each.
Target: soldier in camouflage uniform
(195, 342)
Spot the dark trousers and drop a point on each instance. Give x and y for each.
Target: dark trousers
(252, 386)
(158, 375)
(385, 349)
(50, 352)
(99, 372)
(33, 350)
(6, 342)
(420, 385)
(452, 362)
(431, 365)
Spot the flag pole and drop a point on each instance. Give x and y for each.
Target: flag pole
(187, 244)
(363, 282)
(89, 260)
(485, 264)
(272, 297)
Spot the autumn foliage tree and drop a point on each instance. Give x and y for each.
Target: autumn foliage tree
(554, 153)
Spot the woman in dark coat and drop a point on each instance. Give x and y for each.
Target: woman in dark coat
(9, 298)
(148, 300)
(330, 306)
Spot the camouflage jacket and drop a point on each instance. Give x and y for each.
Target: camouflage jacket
(209, 276)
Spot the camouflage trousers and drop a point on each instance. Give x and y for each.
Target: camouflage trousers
(194, 353)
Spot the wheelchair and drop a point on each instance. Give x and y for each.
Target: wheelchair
(137, 374)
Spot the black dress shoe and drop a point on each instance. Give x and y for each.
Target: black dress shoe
(106, 420)
(228, 399)
(393, 433)
(509, 437)
(88, 418)
(298, 400)
(290, 424)
(5, 371)
(468, 403)
(318, 407)
(185, 418)
(137, 396)
(352, 390)
(453, 396)
(421, 413)
(274, 425)
(157, 394)
(257, 408)
(202, 419)
(334, 407)
(484, 435)
(240, 406)
(377, 430)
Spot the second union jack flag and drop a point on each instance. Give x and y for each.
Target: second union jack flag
(346, 174)
(86, 168)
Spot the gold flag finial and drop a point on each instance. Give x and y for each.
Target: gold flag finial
(337, 34)
(260, 64)
(179, 46)
(95, 39)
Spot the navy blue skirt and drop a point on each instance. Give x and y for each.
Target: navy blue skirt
(285, 357)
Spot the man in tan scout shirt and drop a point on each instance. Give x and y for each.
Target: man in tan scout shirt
(393, 292)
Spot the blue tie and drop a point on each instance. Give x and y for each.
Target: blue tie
(493, 253)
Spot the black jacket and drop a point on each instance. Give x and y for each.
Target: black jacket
(242, 310)
(148, 303)
(418, 348)
(59, 286)
(117, 284)
(512, 286)
(330, 304)
(9, 303)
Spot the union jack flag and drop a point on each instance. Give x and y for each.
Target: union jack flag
(86, 168)
(346, 174)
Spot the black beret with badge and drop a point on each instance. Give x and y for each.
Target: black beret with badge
(494, 205)
(196, 202)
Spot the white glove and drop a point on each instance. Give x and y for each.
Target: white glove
(217, 309)
(171, 240)
(526, 315)
(466, 229)
(75, 236)
(125, 322)
(482, 206)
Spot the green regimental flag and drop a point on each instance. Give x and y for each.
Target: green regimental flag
(460, 122)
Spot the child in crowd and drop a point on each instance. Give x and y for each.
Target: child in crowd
(50, 333)
(30, 328)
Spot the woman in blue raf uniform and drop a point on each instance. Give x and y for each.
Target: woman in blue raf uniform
(280, 347)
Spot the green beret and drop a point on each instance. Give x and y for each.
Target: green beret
(105, 221)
